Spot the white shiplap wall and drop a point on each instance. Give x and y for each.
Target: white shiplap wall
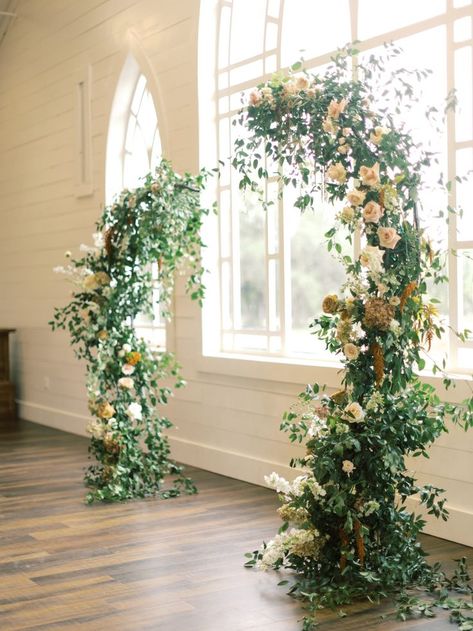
(228, 416)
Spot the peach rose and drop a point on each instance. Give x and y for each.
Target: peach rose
(388, 238)
(302, 83)
(128, 369)
(336, 108)
(356, 197)
(255, 98)
(370, 175)
(337, 172)
(372, 212)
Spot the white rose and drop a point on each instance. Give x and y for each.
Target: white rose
(351, 351)
(348, 466)
(98, 238)
(128, 369)
(127, 348)
(126, 382)
(372, 258)
(134, 412)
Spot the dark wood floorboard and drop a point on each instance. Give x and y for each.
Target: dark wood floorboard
(174, 565)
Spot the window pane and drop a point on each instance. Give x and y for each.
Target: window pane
(464, 189)
(462, 29)
(310, 30)
(425, 50)
(375, 19)
(314, 273)
(466, 265)
(252, 262)
(464, 110)
(248, 19)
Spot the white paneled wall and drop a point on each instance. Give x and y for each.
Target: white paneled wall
(228, 416)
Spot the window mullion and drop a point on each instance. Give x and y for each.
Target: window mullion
(453, 268)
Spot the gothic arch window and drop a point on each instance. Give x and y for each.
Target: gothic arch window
(133, 150)
(273, 269)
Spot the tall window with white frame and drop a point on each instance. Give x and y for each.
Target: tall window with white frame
(139, 153)
(273, 266)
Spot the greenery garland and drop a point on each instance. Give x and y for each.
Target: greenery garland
(158, 222)
(346, 532)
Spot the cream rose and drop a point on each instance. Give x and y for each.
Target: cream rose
(337, 172)
(370, 175)
(336, 108)
(348, 466)
(128, 369)
(377, 134)
(372, 212)
(356, 197)
(372, 258)
(354, 412)
(347, 213)
(388, 238)
(126, 382)
(351, 351)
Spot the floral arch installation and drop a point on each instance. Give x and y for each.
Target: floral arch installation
(127, 379)
(346, 532)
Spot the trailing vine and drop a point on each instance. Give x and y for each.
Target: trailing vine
(346, 532)
(127, 379)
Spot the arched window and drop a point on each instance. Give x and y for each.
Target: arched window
(133, 150)
(273, 268)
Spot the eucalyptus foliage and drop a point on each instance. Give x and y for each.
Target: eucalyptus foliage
(346, 532)
(127, 379)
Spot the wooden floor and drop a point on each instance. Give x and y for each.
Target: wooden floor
(172, 565)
